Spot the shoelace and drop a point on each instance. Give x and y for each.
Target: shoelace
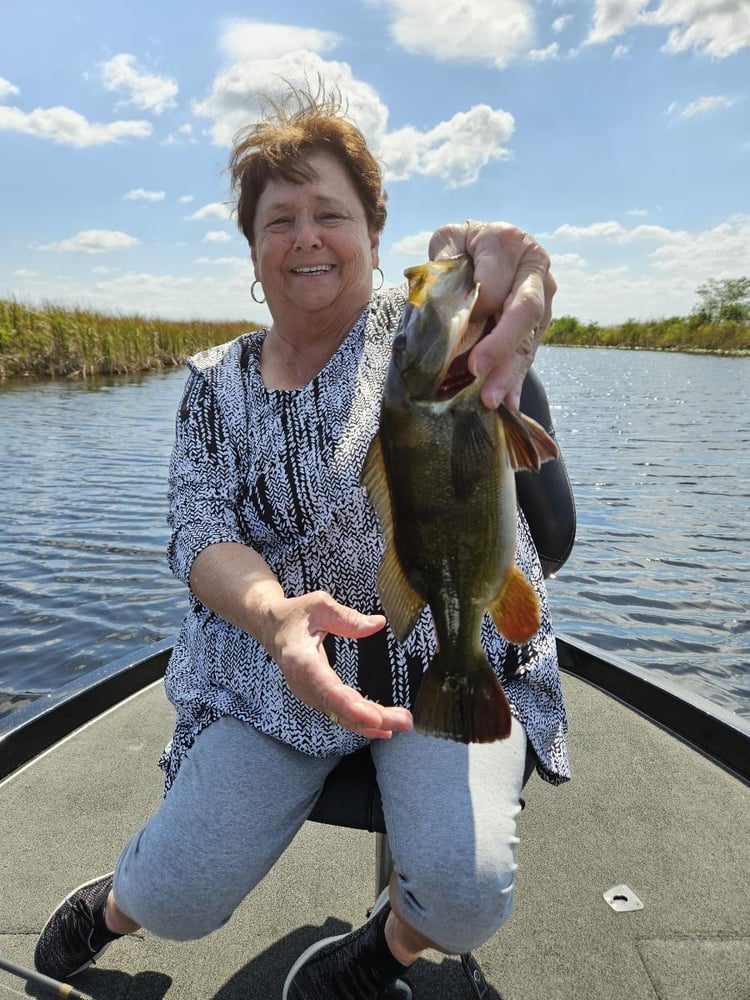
(79, 929)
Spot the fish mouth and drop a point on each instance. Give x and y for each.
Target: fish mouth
(458, 377)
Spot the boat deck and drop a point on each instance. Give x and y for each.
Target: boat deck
(643, 809)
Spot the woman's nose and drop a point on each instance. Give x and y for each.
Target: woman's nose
(306, 234)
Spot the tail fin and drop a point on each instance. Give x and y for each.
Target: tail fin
(466, 705)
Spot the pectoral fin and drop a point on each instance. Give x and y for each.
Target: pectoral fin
(527, 442)
(401, 602)
(516, 610)
(472, 452)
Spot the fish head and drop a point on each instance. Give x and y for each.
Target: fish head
(435, 329)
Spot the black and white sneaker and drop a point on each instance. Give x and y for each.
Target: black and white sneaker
(75, 935)
(355, 966)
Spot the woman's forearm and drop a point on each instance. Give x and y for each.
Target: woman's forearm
(237, 583)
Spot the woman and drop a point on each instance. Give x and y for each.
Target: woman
(284, 662)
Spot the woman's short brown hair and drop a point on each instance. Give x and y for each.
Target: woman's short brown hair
(278, 146)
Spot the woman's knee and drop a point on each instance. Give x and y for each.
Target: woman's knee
(170, 899)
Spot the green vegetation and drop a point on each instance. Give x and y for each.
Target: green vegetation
(673, 334)
(52, 342)
(719, 324)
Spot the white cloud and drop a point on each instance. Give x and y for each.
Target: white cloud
(413, 246)
(214, 210)
(455, 150)
(234, 99)
(185, 199)
(716, 27)
(613, 17)
(60, 124)
(642, 285)
(704, 105)
(141, 194)
(7, 88)
(222, 261)
(24, 272)
(620, 51)
(560, 23)
(250, 40)
(497, 32)
(183, 136)
(266, 55)
(542, 55)
(216, 236)
(614, 231)
(145, 90)
(93, 241)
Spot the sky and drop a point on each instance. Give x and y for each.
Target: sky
(616, 132)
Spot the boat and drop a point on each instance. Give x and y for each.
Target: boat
(632, 883)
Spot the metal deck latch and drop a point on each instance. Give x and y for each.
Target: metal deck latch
(622, 899)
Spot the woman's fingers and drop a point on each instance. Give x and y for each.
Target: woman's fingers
(515, 295)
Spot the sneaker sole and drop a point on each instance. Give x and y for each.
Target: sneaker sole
(65, 899)
(309, 952)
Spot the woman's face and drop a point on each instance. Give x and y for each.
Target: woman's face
(313, 252)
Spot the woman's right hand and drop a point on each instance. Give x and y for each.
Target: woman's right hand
(293, 629)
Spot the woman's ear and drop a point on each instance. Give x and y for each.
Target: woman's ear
(375, 249)
(254, 259)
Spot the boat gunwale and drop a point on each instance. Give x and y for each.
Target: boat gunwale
(717, 733)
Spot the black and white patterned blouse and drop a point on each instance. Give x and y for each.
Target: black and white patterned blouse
(279, 470)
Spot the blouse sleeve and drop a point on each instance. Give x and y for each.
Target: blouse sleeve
(204, 479)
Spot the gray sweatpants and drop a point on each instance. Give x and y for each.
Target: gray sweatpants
(240, 797)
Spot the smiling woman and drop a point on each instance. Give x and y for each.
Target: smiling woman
(284, 663)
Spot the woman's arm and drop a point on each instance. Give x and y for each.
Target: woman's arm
(235, 582)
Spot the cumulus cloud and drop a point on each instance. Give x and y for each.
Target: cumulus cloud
(263, 56)
(144, 90)
(613, 17)
(60, 124)
(241, 40)
(93, 241)
(614, 231)
(661, 282)
(455, 150)
(7, 88)
(213, 210)
(216, 236)
(552, 51)
(490, 31)
(413, 246)
(715, 27)
(141, 194)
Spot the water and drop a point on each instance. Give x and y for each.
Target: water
(656, 446)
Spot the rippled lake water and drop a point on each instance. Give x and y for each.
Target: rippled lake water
(657, 446)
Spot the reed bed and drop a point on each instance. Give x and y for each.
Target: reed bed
(674, 334)
(55, 342)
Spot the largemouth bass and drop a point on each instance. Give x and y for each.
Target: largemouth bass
(440, 474)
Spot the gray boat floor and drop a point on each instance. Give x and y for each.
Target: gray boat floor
(643, 809)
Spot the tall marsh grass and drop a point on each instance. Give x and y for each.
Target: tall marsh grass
(54, 342)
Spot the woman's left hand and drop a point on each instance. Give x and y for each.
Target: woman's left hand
(516, 290)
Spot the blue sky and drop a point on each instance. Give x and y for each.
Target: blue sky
(617, 132)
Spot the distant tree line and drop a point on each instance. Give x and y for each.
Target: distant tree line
(719, 323)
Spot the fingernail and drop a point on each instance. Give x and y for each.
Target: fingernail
(492, 398)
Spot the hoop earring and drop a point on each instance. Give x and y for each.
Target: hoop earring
(252, 293)
(382, 280)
